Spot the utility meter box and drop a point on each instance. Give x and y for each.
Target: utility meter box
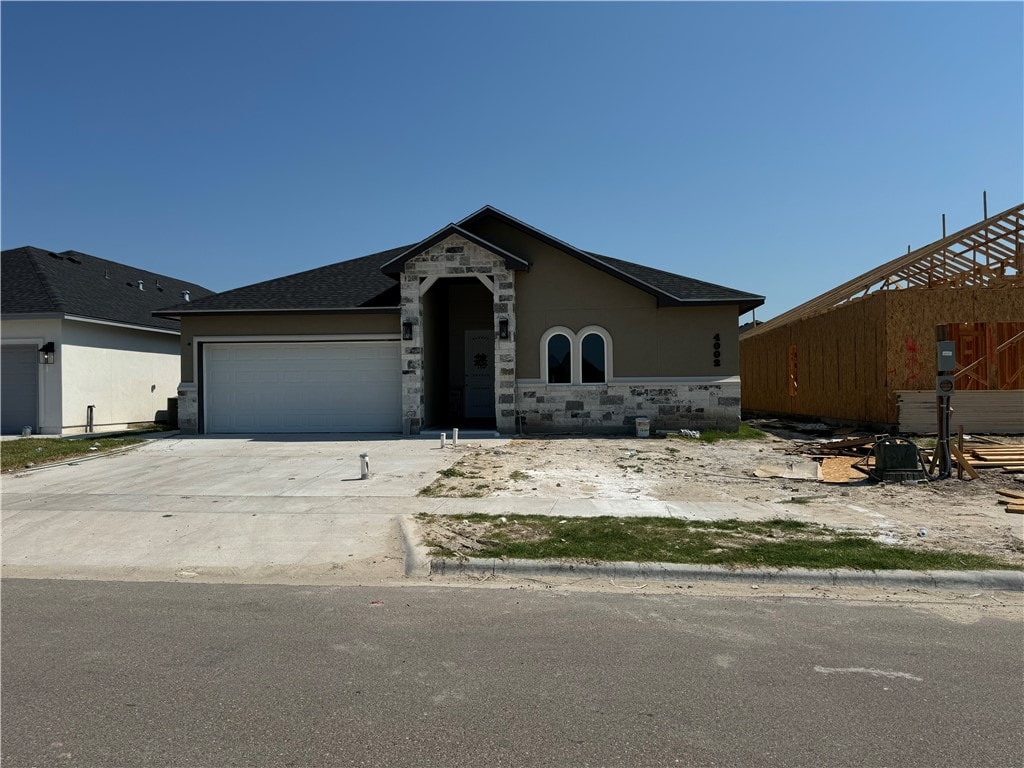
(943, 385)
(946, 356)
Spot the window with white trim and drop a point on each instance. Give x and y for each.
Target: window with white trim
(569, 357)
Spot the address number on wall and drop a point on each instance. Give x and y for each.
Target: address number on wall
(718, 350)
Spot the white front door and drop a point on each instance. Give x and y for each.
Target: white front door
(479, 402)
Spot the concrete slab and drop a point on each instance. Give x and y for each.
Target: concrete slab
(244, 508)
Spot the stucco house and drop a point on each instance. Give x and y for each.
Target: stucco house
(488, 323)
(80, 345)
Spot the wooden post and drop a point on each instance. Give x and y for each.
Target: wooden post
(960, 453)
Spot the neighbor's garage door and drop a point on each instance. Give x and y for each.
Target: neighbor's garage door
(19, 374)
(350, 386)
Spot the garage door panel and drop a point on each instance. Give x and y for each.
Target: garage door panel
(303, 387)
(19, 366)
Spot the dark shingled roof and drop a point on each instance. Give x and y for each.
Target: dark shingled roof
(684, 290)
(35, 281)
(355, 284)
(361, 285)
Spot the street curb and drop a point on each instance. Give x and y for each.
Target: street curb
(417, 555)
(419, 563)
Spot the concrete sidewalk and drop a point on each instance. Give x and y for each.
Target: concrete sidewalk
(285, 509)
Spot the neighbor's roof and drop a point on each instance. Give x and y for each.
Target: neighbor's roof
(370, 283)
(38, 282)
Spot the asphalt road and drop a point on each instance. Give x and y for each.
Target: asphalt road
(136, 674)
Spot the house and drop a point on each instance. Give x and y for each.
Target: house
(865, 351)
(80, 346)
(487, 323)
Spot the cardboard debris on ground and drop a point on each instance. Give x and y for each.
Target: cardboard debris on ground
(791, 470)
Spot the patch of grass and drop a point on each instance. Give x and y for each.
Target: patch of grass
(18, 454)
(518, 475)
(771, 543)
(745, 432)
(451, 472)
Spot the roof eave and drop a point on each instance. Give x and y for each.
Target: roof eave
(179, 313)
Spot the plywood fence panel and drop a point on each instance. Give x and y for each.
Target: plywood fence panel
(840, 365)
(988, 411)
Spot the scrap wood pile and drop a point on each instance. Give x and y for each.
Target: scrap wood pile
(1014, 500)
(841, 459)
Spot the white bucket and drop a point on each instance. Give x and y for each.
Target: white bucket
(643, 427)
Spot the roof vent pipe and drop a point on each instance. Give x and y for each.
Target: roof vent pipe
(141, 283)
(185, 295)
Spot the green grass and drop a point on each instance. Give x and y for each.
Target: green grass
(745, 432)
(771, 544)
(17, 454)
(518, 475)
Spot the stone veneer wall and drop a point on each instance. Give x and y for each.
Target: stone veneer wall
(614, 407)
(457, 257)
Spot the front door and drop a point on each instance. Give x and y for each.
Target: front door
(479, 400)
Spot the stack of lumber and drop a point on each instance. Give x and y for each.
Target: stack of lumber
(987, 455)
(1014, 500)
(1008, 457)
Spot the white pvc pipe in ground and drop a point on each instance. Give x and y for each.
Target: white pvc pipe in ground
(455, 438)
(364, 466)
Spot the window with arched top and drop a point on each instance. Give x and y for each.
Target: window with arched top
(593, 365)
(569, 357)
(559, 355)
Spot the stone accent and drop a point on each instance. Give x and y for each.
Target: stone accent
(188, 408)
(456, 256)
(613, 408)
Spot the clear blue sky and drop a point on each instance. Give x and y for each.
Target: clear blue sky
(775, 148)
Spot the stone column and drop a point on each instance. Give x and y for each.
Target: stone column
(505, 352)
(412, 356)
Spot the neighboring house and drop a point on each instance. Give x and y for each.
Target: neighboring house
(488, 323)
(865, 351)
(80, 346)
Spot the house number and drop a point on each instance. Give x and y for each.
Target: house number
(718, 350)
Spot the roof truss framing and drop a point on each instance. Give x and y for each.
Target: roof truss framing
(988, 254)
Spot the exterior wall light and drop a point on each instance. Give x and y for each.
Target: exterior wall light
(503, 328)
(47, 352)
(406, 331)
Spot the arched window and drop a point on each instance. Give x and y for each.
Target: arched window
(576, 357)
(593, 364)
(559, 352)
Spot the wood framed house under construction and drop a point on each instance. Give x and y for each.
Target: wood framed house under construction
(864, 352)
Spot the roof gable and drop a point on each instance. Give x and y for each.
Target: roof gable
(395, 266)
(670, 290)
(36, 281)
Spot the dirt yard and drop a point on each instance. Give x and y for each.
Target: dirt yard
(949, 514)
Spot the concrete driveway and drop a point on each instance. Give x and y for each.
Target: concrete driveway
(258, 508)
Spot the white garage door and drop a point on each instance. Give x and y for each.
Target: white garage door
(345, 386)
